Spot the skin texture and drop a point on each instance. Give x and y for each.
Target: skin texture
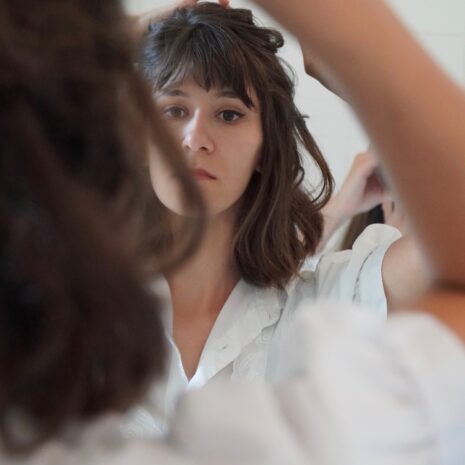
(218, 134)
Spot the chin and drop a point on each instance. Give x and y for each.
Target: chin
(220, 209)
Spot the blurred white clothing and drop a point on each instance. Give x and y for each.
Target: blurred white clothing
(349, 390)
(238, 345)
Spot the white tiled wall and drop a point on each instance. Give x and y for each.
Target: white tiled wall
(438, 24)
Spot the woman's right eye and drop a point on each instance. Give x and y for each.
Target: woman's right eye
(174, 112)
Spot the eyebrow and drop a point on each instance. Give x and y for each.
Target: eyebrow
(170, 92)
(173, 92)
(228, 93)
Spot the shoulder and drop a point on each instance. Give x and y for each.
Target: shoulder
(350, 275)
(374, 240)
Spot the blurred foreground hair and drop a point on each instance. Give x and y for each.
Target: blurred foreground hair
(79, 333)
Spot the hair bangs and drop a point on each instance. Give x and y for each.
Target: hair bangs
(211, 57)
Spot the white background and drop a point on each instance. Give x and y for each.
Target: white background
(438, 24)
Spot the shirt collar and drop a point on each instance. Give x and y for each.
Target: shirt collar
(245, 314)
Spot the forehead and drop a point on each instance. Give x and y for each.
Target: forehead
(213, 55)
(188, 87)
(208, 73)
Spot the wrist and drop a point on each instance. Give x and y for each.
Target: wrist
(336, 211)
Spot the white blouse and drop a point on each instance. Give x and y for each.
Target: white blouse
(238, 345)
(349, 390)
(99, 443)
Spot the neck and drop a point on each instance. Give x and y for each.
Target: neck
(204, 282)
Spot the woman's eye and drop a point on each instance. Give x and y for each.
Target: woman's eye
(229, 116)
(174, 112)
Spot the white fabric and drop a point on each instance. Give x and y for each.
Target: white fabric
(99, 443)
(349, 391)
(238, 345)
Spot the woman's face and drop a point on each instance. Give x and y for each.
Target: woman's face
(221, 139)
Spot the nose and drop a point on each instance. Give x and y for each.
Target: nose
(196, 137)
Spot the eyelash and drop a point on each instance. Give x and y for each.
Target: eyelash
(238, 115)
(170, 112)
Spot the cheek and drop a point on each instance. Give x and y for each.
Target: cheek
(164, 185)
(243, 160)
(175, 129)
(158, 168)
(247, 151)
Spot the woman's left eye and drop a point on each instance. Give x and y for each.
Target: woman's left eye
(229, 116)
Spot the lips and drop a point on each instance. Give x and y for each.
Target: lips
(201, 173)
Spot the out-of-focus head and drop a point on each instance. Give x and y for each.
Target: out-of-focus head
(252, 143)
(79, 334)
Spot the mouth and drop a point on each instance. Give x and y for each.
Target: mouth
(203, 174)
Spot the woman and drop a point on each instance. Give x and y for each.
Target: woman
(355, 391)
(228, 101)
(80, 288)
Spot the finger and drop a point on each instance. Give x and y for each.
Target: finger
(387, 197)
(365, 163)
(362, 170)
(369, 162)
(369, 159)
(387, 205)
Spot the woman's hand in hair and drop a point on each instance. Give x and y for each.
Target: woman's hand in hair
(361, 190)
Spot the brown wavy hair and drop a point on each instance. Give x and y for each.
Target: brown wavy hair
(280, 223)
(79, 333)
